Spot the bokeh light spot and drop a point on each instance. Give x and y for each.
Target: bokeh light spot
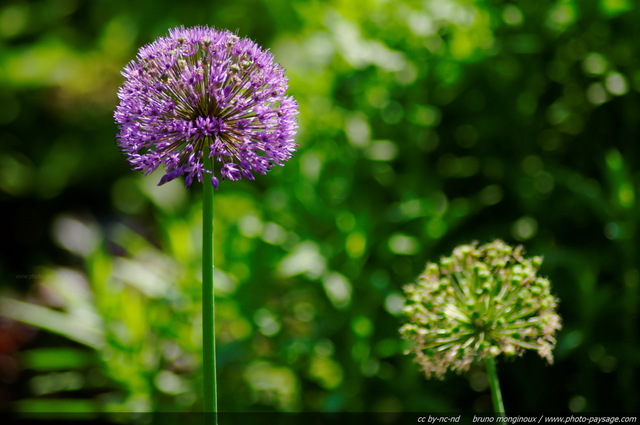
(403, 244)
(524, 228)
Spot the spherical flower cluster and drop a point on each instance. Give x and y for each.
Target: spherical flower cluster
(480, 302)
(205, 102)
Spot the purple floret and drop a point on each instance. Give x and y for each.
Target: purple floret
(204, 101)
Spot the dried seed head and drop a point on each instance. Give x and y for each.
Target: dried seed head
(478, 303)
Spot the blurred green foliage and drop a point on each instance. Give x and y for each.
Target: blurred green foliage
(424, 124)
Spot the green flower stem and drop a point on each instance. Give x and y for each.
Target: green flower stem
(208, 305)
(496, 395)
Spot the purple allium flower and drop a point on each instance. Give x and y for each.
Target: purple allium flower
(476, 304)
(204, 101)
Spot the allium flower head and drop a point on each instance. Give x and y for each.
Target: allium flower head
(480, 302)
(205, 102)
